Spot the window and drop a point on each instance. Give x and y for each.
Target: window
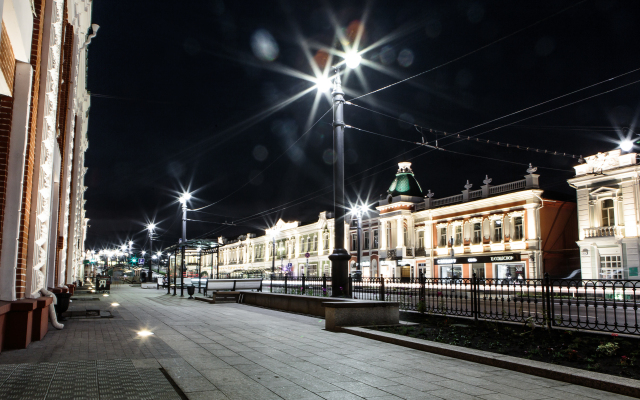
(308, 243)
(477, 233)
(608, 218)
(325, 239)
(375, 238)
(354, 242)
(388, 235)
(518, 232)
(497, 230)
(315, 242)
(611, 267)
(406, 236)
(301, 244)
(458, 235)
(366, 240)
(421, 239)
(443, 237)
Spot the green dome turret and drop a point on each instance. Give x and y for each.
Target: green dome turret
(405, 184)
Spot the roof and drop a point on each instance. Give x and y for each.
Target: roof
(405, 182)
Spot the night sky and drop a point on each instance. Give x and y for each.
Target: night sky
(195, 94)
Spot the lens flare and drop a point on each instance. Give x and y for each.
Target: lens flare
(323, 84)
(626, 145)
(352, 59)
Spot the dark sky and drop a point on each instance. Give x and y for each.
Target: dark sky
(181, 99)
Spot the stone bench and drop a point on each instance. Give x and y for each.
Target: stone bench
(360, 313)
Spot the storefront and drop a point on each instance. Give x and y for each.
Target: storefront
(499, 266)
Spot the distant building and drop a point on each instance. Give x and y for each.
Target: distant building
(44, 111)
(607, 187)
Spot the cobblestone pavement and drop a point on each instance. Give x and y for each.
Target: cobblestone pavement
(233, 351)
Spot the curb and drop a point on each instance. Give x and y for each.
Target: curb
(595, 380)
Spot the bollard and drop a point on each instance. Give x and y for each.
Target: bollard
(381, 287)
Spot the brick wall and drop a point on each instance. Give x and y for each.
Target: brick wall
(6, 112)
(36, 49)
(7, 59)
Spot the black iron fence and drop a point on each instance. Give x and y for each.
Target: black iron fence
(604, 305)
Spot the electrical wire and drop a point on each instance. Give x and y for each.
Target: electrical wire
(267, 167)
(470, 53)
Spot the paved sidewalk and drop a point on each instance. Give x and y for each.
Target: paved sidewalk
(232, 351)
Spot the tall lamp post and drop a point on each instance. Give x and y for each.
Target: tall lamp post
(199, 269)
(273, 233)
(340, 257)
(151, 227)
(359, 211)
(183, 200)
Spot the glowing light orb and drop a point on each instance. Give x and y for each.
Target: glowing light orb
(353, 59)
(115, 304)
(144, 333)
(323, 84)
(626, 145)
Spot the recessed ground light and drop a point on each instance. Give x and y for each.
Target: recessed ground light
(105, 295)
(115, 304)
(145, 333)
(93, 291)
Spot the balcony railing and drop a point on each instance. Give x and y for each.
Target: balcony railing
(507, 187)
(603, 231)
(421, 252)
(409, 252)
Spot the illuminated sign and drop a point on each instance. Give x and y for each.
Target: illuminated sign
(478, 259)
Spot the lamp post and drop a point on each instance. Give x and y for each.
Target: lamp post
(340, 257)
(183, 199)
(359, 211)
(151, 227)
(199, 269)
(273, 232)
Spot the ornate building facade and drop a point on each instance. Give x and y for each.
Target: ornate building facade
(43, 131)
(608, 193)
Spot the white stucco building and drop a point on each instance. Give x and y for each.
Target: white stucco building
(607, 187)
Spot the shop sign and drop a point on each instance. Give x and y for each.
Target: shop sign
(478, 259)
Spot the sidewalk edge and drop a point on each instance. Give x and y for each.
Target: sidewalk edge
(595, 380)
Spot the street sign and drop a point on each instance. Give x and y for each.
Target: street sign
(141, 261)
(289, 266)
(307, 255)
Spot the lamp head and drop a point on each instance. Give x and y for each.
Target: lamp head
(352, 59)
(185, 197)
(626, 145)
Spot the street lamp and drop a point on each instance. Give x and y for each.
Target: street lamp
(183, 200)
(359, 211)
(199, 270)
(340, 257)
(273, 231)
(151, 227)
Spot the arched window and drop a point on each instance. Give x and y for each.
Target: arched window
(608, 217)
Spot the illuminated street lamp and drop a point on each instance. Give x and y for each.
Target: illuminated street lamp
(183, 200)
(340, 257)
(151, 227)
(273, 232)
(359, 211)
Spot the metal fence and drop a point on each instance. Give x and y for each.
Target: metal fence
(604, 305)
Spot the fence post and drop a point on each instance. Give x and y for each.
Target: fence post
(547, 286)
(350, 288)
(271, 285)
(302, 283)
(285, 283)
(381, 287)
(324, 284)
(423, 291)
(474, 298)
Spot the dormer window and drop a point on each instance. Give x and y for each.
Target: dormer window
(608, 217)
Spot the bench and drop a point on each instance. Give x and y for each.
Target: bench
(161, 284)
(178, 282)
(233, 284)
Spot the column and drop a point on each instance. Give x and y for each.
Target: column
(15, 175)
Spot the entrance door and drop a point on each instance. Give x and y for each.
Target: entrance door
(405, 273)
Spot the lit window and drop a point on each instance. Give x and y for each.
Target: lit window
(375, 238)
(497, 231)
(608, 217)
(421, 239)
(518, 229)
(611, 267)
(366, 240)
(443, 237)
(458, 235)
(477, 233)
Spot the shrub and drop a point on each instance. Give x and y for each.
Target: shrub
(608, 349)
